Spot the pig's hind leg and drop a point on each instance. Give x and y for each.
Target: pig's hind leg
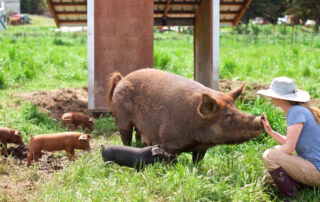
(125, 126)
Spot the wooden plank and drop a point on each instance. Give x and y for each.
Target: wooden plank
(71, 13)
(231, 4)
(175, 12)
(70, 4)
(73, 21)
(236, 21)
(226, 21)
(177, 3)
(53, 13)
(174, 22)
(229, 13)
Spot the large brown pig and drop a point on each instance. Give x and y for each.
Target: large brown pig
(75, 119)
(8, 135)
(179, 114)
(55, 142)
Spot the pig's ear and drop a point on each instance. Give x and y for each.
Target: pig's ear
(17, 133)
(83, 137)
(156, 151)
(235, 93)
(207, 107)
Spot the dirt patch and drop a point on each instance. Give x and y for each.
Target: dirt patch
(20, 152)
(250, 92)
(58, 102)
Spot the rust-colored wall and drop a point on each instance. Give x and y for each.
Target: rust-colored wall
(123, 41)
(203, 44)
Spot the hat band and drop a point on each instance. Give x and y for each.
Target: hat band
(294, 91)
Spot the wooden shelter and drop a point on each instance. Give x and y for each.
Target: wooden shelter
(120, 34)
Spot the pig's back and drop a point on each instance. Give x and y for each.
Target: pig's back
(54, 142)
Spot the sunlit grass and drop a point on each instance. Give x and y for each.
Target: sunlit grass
(35, 57)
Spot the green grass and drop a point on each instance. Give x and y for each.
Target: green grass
(35, 57)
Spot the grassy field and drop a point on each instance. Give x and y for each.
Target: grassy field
(36, 57)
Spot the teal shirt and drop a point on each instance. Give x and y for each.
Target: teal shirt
(308, 145)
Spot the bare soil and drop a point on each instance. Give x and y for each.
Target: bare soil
(58, 102)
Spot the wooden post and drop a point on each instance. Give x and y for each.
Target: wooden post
(123, 42)
(206, 44)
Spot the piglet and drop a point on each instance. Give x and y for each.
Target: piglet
(55, 142)
(135, 157)
(77, 119)
(8, 135)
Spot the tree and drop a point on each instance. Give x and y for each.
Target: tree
(269, 10)
(306, 9)
(33, 6)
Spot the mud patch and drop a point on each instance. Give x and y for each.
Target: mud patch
(20, 152)
(58, 102)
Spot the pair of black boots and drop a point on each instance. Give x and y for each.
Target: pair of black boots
(284, 182)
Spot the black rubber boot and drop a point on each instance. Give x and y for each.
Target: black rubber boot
(284, 182)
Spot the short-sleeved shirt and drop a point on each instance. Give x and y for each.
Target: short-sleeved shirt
(308, 145)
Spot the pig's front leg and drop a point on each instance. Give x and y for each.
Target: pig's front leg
(198, 156)
(70, 153)
(4, 149)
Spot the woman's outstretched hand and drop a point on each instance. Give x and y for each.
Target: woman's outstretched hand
(266, 124)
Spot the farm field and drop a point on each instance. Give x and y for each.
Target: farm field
(43, 73)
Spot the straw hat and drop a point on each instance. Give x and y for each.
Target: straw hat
(283, 88)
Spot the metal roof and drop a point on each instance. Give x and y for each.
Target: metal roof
(166, 12)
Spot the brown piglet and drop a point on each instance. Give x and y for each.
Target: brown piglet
(8, 135)
(67, 141)
(73, 120)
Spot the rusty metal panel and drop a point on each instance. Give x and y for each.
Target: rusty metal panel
(203, 44)
(123, 41)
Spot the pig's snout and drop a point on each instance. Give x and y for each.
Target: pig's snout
(258, 122)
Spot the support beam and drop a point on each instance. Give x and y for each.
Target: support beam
(215, 42)
(166, 9)
(247, 3)
(90, 44)
(53, 13)
(206, 44)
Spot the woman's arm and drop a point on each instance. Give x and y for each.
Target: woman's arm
(289, 142)
(277, 136)
(293, 133)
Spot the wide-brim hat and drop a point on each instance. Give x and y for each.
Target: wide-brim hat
(284, 88)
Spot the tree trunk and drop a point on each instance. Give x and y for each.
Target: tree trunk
(316, 29)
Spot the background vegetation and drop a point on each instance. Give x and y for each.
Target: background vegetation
(36, 57)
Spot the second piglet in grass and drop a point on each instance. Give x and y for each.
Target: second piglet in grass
(73, 120)
(135, 157)
(56, 142)
(8, 135)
